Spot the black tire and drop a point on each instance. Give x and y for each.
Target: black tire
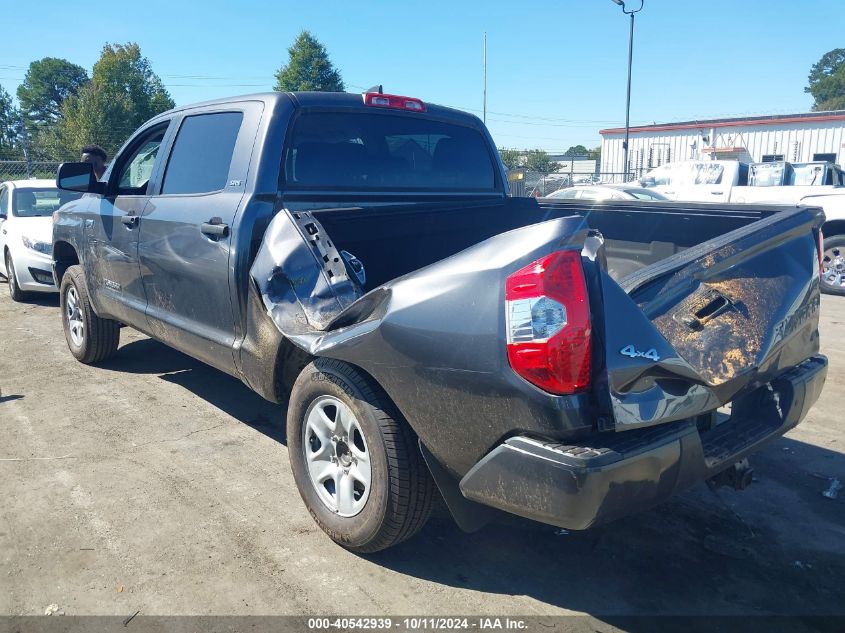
(401, 489)
(834, 283)
(100, 337)
(15, 291)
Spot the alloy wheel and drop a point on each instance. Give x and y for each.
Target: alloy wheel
(833, 268)
(337, 456)
(73, 314)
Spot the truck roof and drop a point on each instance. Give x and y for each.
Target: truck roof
(317, 99)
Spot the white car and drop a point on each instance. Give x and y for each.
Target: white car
(606, 192)
(26, 234)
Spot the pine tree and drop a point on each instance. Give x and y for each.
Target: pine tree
(308, 68)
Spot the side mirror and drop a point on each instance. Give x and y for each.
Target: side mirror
(78, 177)
(647, 182)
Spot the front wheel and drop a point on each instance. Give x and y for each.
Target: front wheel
(833, 265)
(14, 289)
(356, 463)
(90, 338)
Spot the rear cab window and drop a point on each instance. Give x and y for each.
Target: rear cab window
(385, 151)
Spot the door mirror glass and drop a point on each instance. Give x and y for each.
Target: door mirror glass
(78, 177)
(647, 181)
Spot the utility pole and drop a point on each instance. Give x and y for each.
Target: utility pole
(484, 117)
(23, 136)
(621, 3)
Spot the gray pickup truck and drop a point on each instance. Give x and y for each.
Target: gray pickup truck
(359, 257)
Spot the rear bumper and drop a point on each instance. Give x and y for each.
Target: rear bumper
(576, 487)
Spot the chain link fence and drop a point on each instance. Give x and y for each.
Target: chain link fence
(524, 183)
(22, 169)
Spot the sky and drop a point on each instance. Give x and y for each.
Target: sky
(556, 71)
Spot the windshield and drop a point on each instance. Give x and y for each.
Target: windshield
(36, 203)
(645, 194)
(363, 151)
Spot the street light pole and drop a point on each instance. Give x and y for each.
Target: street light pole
(485, 78)
(621, 3)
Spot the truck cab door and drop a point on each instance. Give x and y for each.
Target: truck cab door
(111, 232)
(187, 232)
(710, 181)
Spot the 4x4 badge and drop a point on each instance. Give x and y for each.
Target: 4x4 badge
(631, 351)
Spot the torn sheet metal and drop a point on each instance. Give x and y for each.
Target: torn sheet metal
(301, 276)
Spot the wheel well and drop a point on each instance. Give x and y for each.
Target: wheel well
(290, 362)
(834, 227)
(64, 255)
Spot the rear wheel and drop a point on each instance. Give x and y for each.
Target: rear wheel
(14, 289)
(90, 338)
(833, 265)
(356, 463)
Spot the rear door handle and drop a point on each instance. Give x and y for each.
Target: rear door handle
(215, 228)
(716, 193)
(130, 220)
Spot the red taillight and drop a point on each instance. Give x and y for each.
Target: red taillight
(393, 101)
(548, 323)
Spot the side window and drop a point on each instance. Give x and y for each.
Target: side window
(707, 173)
(4, 202)
(202, 153)
(134, 173)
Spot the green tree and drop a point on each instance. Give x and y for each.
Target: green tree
(96, 115)
(122, 94)
(512, 158)
(122, 69)
(308, 68)
(48, 82)
(539, 161)
(577, 150)
(827, 81)
(9, 128)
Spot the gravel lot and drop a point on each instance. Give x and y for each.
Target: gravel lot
(157, 484)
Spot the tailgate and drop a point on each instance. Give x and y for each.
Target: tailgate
(688, 334)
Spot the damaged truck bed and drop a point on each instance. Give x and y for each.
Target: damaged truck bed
(566, 362)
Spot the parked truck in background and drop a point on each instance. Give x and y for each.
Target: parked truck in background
(721, 181)
(738, 182)
(359, 258)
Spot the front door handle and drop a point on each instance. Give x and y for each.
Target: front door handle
(215, 228)
(130, 220)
